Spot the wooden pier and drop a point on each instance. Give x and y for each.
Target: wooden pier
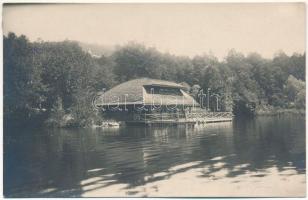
(180, 119)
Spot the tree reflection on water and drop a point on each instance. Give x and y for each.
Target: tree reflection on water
(151, 161)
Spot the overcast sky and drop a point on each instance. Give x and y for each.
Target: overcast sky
(180, 29)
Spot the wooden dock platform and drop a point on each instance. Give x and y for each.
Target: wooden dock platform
(153, 123)
(191, 119)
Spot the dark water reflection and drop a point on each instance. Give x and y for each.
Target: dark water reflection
(146, 161)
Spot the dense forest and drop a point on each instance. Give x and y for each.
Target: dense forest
(44, 82)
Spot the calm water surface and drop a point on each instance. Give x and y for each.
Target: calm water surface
(259, 157)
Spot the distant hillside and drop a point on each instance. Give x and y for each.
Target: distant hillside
(97, 50)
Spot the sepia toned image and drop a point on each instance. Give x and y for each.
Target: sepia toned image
(154, 100)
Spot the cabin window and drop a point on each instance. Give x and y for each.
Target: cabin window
(163, 90)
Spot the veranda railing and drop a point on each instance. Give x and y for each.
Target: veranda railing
(178, 116)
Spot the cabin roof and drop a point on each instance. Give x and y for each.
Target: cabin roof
(133, 92)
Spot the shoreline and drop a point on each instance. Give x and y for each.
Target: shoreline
(267, 112)
(273, 112)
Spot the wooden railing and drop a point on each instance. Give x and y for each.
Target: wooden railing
(210, 115)
(178, 116)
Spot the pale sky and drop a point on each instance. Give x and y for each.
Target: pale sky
(180, 29)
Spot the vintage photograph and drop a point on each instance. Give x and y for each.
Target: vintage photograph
(154, 100)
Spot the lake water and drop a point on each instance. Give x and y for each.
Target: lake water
(247, 157)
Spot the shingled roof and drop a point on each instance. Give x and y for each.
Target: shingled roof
(133, 92)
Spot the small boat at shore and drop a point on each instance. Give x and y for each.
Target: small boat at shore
(107, 124)
(113, 124)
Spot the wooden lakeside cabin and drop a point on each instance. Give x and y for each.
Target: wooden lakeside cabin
(150, 101)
